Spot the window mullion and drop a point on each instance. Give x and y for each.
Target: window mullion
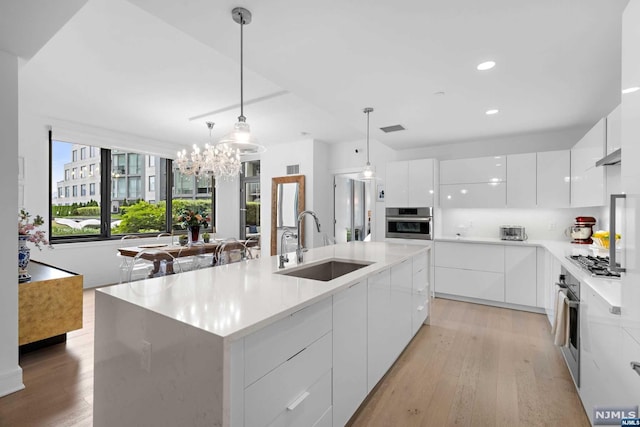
(105, 192)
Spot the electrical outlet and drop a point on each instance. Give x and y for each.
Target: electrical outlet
(145, 356)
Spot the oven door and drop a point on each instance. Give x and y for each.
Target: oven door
(572, 351)
(409, 227)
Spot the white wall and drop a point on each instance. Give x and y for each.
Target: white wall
(228, 208)
(10, 371)
(540, 224)
(322, 192)
(526, 143)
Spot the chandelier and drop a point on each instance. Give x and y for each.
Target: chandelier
(220, 160)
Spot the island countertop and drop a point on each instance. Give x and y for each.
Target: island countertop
(234, 300)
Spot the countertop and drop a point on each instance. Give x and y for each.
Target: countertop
(234, 300)
(608, 289)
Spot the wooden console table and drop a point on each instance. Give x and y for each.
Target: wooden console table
(50, 305)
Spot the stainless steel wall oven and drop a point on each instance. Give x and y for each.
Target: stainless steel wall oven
(572, 351)
(409, 223)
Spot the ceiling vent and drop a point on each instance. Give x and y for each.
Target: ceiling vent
(293, 169)
(394, 128)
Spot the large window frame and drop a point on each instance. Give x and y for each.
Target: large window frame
(163, 184)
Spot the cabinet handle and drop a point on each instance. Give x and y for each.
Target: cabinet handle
(298, 401)
(615, 310)
(612, 232)
(636, 367)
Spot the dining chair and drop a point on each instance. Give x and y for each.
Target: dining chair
(152, 262)
(196, 258)
(253, 246)
(125, 261)
(230, 251)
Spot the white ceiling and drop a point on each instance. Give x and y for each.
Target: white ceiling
(145, 67)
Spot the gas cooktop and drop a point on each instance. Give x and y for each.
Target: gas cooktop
(596, 265)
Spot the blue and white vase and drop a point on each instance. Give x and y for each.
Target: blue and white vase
(24, 254)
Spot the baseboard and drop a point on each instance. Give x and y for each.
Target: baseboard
(11, 381)
(491, 303)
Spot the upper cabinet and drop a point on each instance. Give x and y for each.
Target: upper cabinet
(411, 183)
(473, 183)
(587, 180)
(521, 180)
(553, 179)
(631, 100)
(614, 129)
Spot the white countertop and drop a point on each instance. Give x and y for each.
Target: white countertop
(608, 289)
(233, 300)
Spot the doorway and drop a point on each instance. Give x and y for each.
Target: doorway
(352, 208)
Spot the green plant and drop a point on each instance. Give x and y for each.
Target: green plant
(142, 216)
(183, 239)
(206, 237)
(253, 213)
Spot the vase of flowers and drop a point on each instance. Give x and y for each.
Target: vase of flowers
(192, 221)
(28, 232)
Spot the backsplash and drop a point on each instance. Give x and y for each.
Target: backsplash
(540, 224)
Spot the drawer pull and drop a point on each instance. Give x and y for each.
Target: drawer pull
(296, 354)
(298, 401)
(636, 367)
(421, 307)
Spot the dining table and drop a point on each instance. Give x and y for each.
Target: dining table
(168, 252)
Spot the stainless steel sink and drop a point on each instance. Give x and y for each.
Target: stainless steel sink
(326, 270)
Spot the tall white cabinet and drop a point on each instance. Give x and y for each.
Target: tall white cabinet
(587, 180)
(521, 180)
(473, 183)
(553, 178)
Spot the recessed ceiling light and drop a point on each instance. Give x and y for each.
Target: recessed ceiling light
(630, 89)
(486, 66)
(492, 112)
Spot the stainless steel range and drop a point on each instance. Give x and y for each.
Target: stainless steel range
(571, 352)
(596, 265)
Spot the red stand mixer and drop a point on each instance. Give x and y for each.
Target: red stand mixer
(582, 230)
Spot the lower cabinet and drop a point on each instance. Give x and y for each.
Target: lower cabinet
(401, 300)
(420, 305)
(520, 275)
(379, 328)
(349, 351)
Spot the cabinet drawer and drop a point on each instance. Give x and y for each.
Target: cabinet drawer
(420, 311)
(470, 256)
(420, 262)
(298, 392)
(273, 345)
(469, 283)
(475, 195)
(421, 282)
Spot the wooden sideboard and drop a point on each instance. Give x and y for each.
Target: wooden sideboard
(50, 305)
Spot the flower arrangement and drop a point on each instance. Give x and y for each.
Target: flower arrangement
(190, 218)
(28, 227)
(602, 237)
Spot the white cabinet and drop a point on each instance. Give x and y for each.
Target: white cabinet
(475, 170)
(379, 354)
(401, 301)
(631, 101)
(587, 180)
(421, 300)
(553, 179)
(470, 270)
(410, 183)
(473, 183)
(614, 129)
(349, 351)
(521, 286)
(521, 180)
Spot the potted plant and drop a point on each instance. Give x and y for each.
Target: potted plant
(183, 239)
(206, 237)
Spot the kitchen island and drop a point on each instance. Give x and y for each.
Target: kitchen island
(242, 344)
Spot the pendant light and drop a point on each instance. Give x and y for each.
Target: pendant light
(240, 139)
(368, 172)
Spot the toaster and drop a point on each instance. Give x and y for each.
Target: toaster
(512, 232)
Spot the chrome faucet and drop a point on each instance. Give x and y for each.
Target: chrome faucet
(299, 250)
(283, 254)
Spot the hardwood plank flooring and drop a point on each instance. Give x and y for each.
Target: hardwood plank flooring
(474, 365)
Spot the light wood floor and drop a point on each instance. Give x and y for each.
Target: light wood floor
(473, 366)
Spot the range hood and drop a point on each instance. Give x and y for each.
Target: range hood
(611, 159)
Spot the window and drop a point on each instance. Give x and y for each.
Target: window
(74, 157)
(250, 199)
(138, 200)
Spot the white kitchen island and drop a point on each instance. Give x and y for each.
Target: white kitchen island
(239, 345)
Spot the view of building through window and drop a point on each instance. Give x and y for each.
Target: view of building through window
(137, 200)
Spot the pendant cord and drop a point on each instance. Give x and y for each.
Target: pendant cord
(241, 118)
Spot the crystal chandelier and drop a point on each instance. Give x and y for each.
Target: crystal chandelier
(220, 160)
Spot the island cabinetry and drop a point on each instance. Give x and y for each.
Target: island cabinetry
(288, 369)
(349, 351)
(401, 300)
(470, 270)
(379, 330)
(410, 183)
(421, 291)
(521, 284)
